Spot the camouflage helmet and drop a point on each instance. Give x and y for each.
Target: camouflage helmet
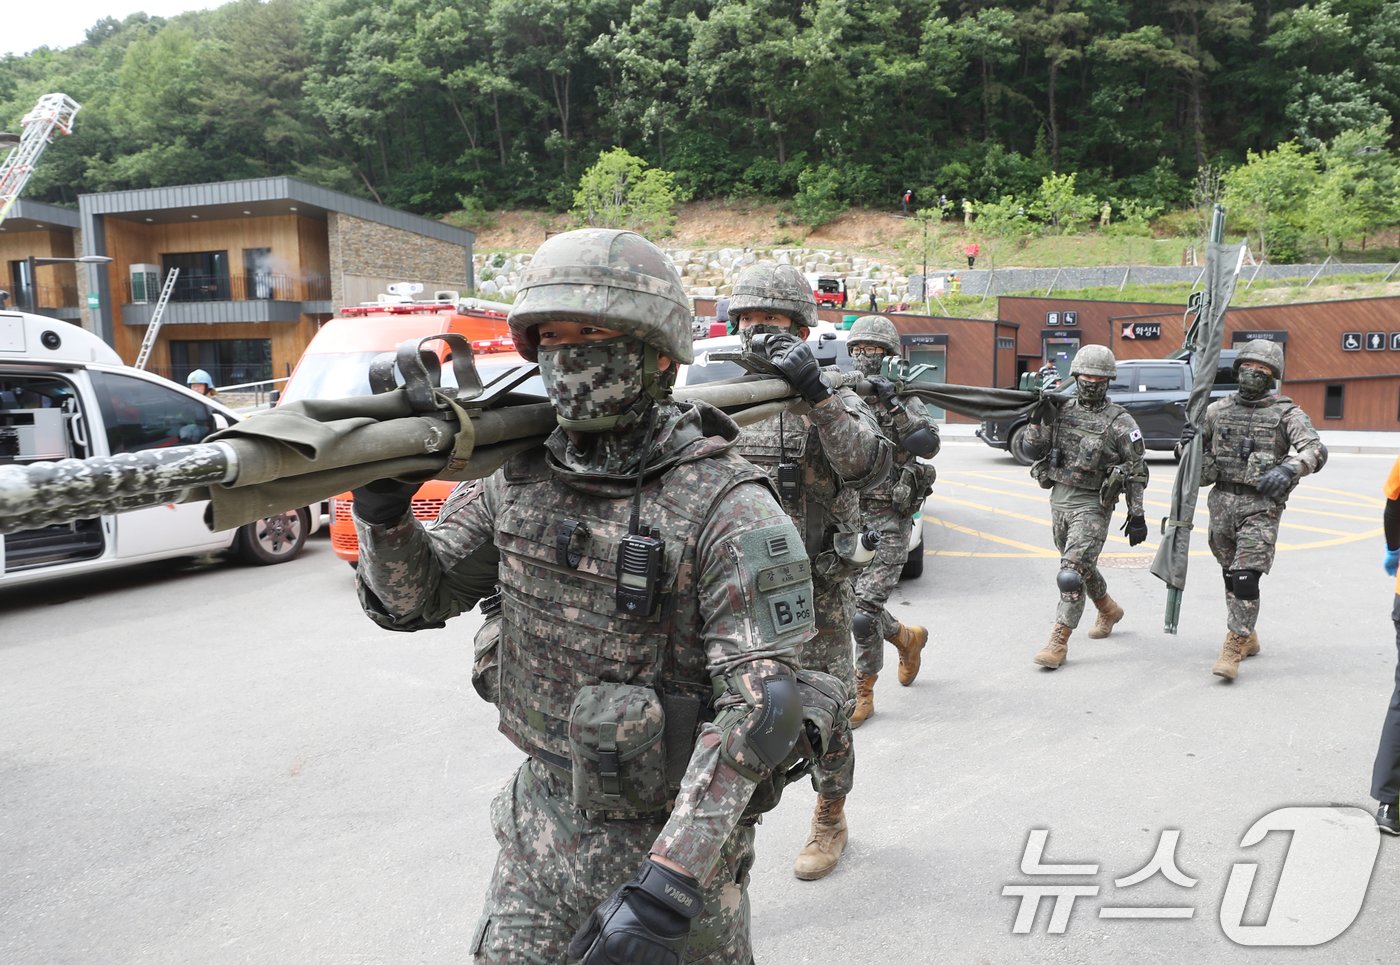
(613, 279)
(776, 288)
(1094, 360)
(1264, 351)
(877, 330)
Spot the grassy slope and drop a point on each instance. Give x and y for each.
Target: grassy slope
(899, 243)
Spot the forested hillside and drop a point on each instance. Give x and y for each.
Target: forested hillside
(435, 105)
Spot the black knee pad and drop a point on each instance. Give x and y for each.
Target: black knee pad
(862, 625)
(1069, 580)
(1245, 584)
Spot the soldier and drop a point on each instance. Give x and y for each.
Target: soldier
(818, 461)
(1089, 452)
(1247, 437)
(643, 567)
(887, 508)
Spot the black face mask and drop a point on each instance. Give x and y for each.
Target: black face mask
(1092, 393)
(1254, 385)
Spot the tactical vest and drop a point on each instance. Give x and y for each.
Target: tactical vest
(810, 491)
(1248, 441)
(1081, 440)
(915, 476)
(561, 627)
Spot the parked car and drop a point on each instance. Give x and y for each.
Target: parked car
(1154, 391)
(336, 365)
(829, 345)
(65, 393)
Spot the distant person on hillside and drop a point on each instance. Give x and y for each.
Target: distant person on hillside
(904, 200)
(967, 211)
(972, 251)
(874, 304)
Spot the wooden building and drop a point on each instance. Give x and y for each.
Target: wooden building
(1342, 358)
(261, 264)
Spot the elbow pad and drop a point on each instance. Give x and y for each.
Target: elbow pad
(762, 728)
(922, 442)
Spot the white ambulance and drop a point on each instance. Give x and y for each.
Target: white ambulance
(64, 393)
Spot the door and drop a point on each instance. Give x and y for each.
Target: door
(936, 356)
(1060, 352)
(1158, 401)
(138, 414)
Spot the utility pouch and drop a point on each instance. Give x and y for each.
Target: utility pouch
(486, 660)
(1040, 472)
(1112, 487)
(618, 751)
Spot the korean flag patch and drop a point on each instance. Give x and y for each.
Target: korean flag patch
(1135, 435)
(1135, 441)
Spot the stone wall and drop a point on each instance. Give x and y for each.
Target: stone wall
(711, 273)
(365, 257)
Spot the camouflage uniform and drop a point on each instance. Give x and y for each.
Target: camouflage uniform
(830, 453)
(630, 754)
(886, 508)
(1243, 440)
(1091, 442)
(1080, 450)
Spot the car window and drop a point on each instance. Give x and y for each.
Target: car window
(1124, 381)
(705, 368)
(1161, 378)
(146, 415)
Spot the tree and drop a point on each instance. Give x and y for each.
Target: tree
(1358, 190)
(1058, 203)
(1270, 192)
(620, 191)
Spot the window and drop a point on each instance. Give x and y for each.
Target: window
(1163, 378)
(258, 281)
(203, 275)
(231, 361)
(145, 415)
(1334, 402)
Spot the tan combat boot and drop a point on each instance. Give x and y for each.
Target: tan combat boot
(1056, 649)
(909, 641)
(1232, 651)
(1252, 647)
(1109, 614)
(865, 697)
(822, 852)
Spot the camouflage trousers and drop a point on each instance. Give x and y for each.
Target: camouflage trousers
(1243, 531)
(830, 652)
(556, 864)
(1079, 536)
(878, 580)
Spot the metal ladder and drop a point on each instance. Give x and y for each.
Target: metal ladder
(53, 113)
(153, 329)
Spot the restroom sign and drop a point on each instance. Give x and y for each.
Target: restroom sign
(1351, 341)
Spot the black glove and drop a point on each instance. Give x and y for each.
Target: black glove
(1188, 432)
(645, 920)
(799, 366)
(1135, 526)
(1276, 481)
(883, 388)
(384, 501)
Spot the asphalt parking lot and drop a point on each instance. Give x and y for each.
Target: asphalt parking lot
(223, 764)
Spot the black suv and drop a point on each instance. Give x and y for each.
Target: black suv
(1154, 391)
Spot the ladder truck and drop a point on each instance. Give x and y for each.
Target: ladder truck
(53, 113)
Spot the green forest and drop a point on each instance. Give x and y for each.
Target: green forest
(445, 105)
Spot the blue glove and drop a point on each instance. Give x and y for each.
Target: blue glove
(645, 920)
(1391, 562)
